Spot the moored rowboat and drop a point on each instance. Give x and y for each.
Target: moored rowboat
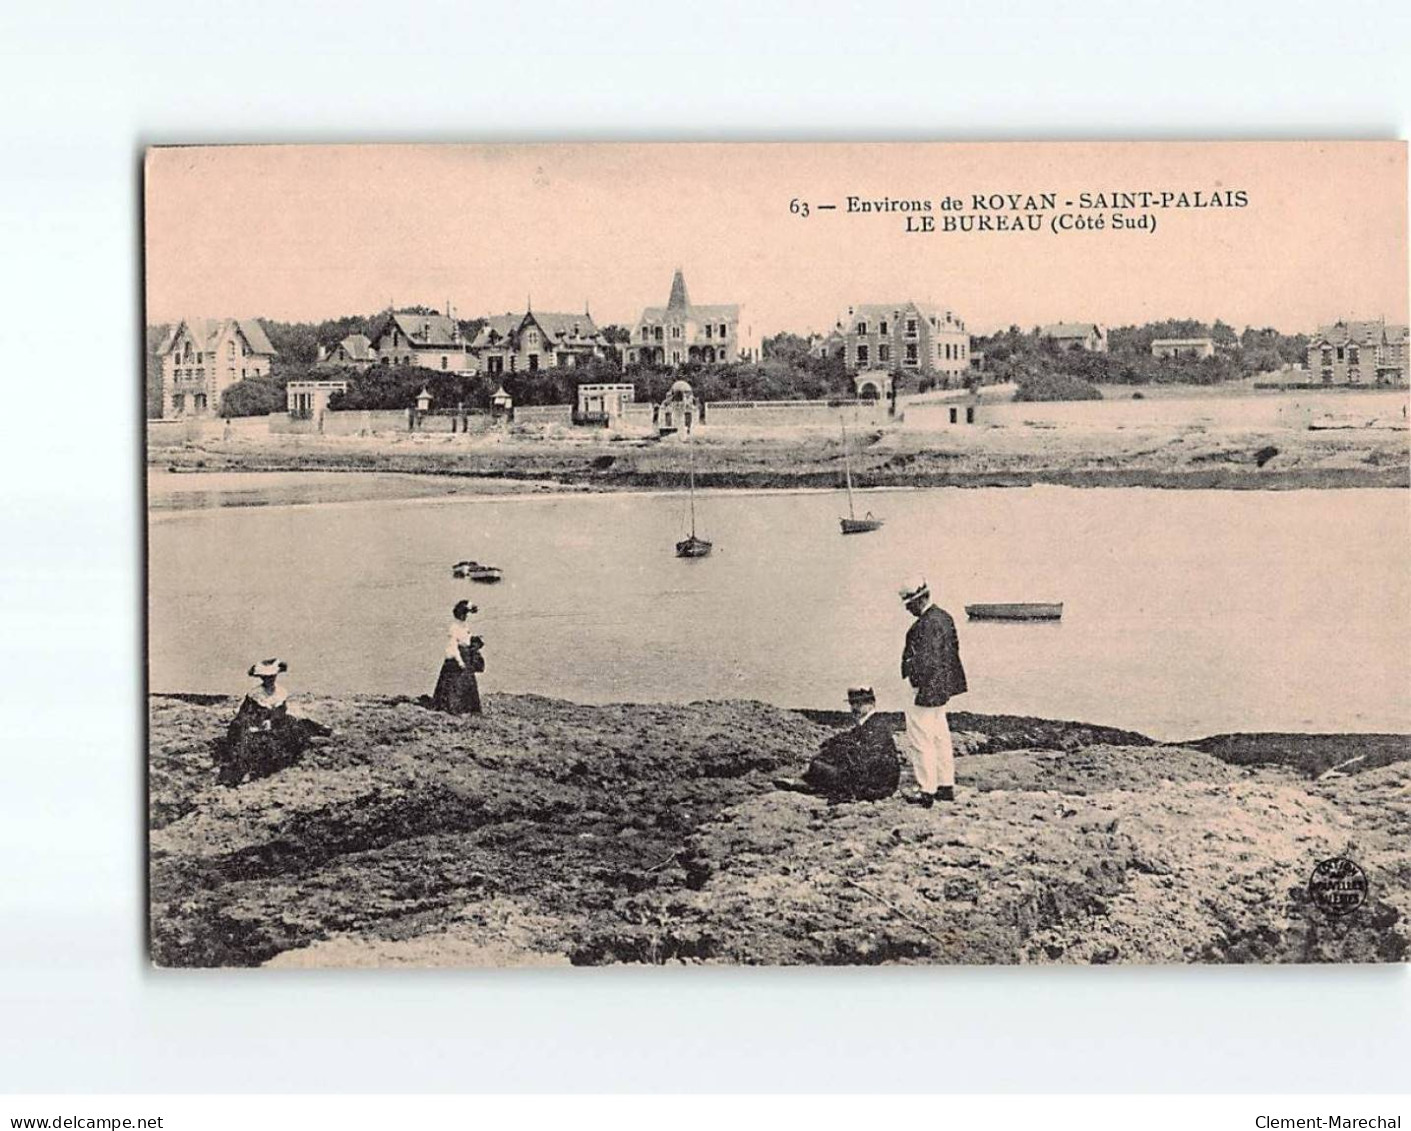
(1016, 611)
(475, 571)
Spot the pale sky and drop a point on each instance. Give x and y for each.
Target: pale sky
(303, 233)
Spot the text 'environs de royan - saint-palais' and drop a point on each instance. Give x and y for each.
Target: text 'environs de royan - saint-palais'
(1125, 210)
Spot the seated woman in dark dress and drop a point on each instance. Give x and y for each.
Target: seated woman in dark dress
(456, 689)
(263, 737)
(859, 764)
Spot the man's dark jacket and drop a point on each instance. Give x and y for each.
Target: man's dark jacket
(860, 764)
(931, 658)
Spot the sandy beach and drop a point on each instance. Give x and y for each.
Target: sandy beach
(552, 833)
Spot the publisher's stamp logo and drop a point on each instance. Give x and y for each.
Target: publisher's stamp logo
(1338, 886)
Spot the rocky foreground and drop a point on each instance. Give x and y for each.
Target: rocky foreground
(549, 832)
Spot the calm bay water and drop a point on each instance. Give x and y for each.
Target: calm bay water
(1186, 612)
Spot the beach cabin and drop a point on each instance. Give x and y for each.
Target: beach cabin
(678, 412)
(308, 400)
(603, 404)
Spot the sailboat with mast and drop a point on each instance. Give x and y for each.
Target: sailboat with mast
(852, 524)
(692, 547)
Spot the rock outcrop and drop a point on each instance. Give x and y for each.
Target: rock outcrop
(550, 832)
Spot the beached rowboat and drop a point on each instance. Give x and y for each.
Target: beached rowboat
(1016, 611)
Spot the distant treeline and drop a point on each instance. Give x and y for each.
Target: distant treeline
(1045, 370)
(1014, 354)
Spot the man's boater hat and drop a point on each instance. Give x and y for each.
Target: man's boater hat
(861, 695)
(267, 668)
(913, 589)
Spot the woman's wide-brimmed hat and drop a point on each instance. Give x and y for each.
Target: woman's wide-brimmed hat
(267, 668)
(913, 589)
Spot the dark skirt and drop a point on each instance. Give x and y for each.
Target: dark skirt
(457, 692)
(261, 741)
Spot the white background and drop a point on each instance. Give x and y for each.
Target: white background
(84, 86)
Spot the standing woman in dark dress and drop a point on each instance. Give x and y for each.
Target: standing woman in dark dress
(456, 689)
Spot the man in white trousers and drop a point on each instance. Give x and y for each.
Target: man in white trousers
(931, 663)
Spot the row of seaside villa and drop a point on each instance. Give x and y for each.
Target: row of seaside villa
(202, 357)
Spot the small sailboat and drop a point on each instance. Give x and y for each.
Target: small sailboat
(692, 547)
(852, 524)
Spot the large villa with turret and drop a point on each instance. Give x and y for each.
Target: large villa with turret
(683, 332)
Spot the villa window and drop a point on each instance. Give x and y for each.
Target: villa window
(1352, 355)
(1340, 353)
(1327, 357)
(722, 329)
(533, 363)
(882, 329)
(884, 354)
(911, 327)
(861, 356)
(657, 333)
(676, 331)
(444, 361)
(862, 327)
(230, 349)
(709, 329)
(911, 353)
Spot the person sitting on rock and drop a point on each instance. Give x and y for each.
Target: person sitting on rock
(858, 765)
(263, 738)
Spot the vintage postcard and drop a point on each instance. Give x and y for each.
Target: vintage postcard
(797, 554)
